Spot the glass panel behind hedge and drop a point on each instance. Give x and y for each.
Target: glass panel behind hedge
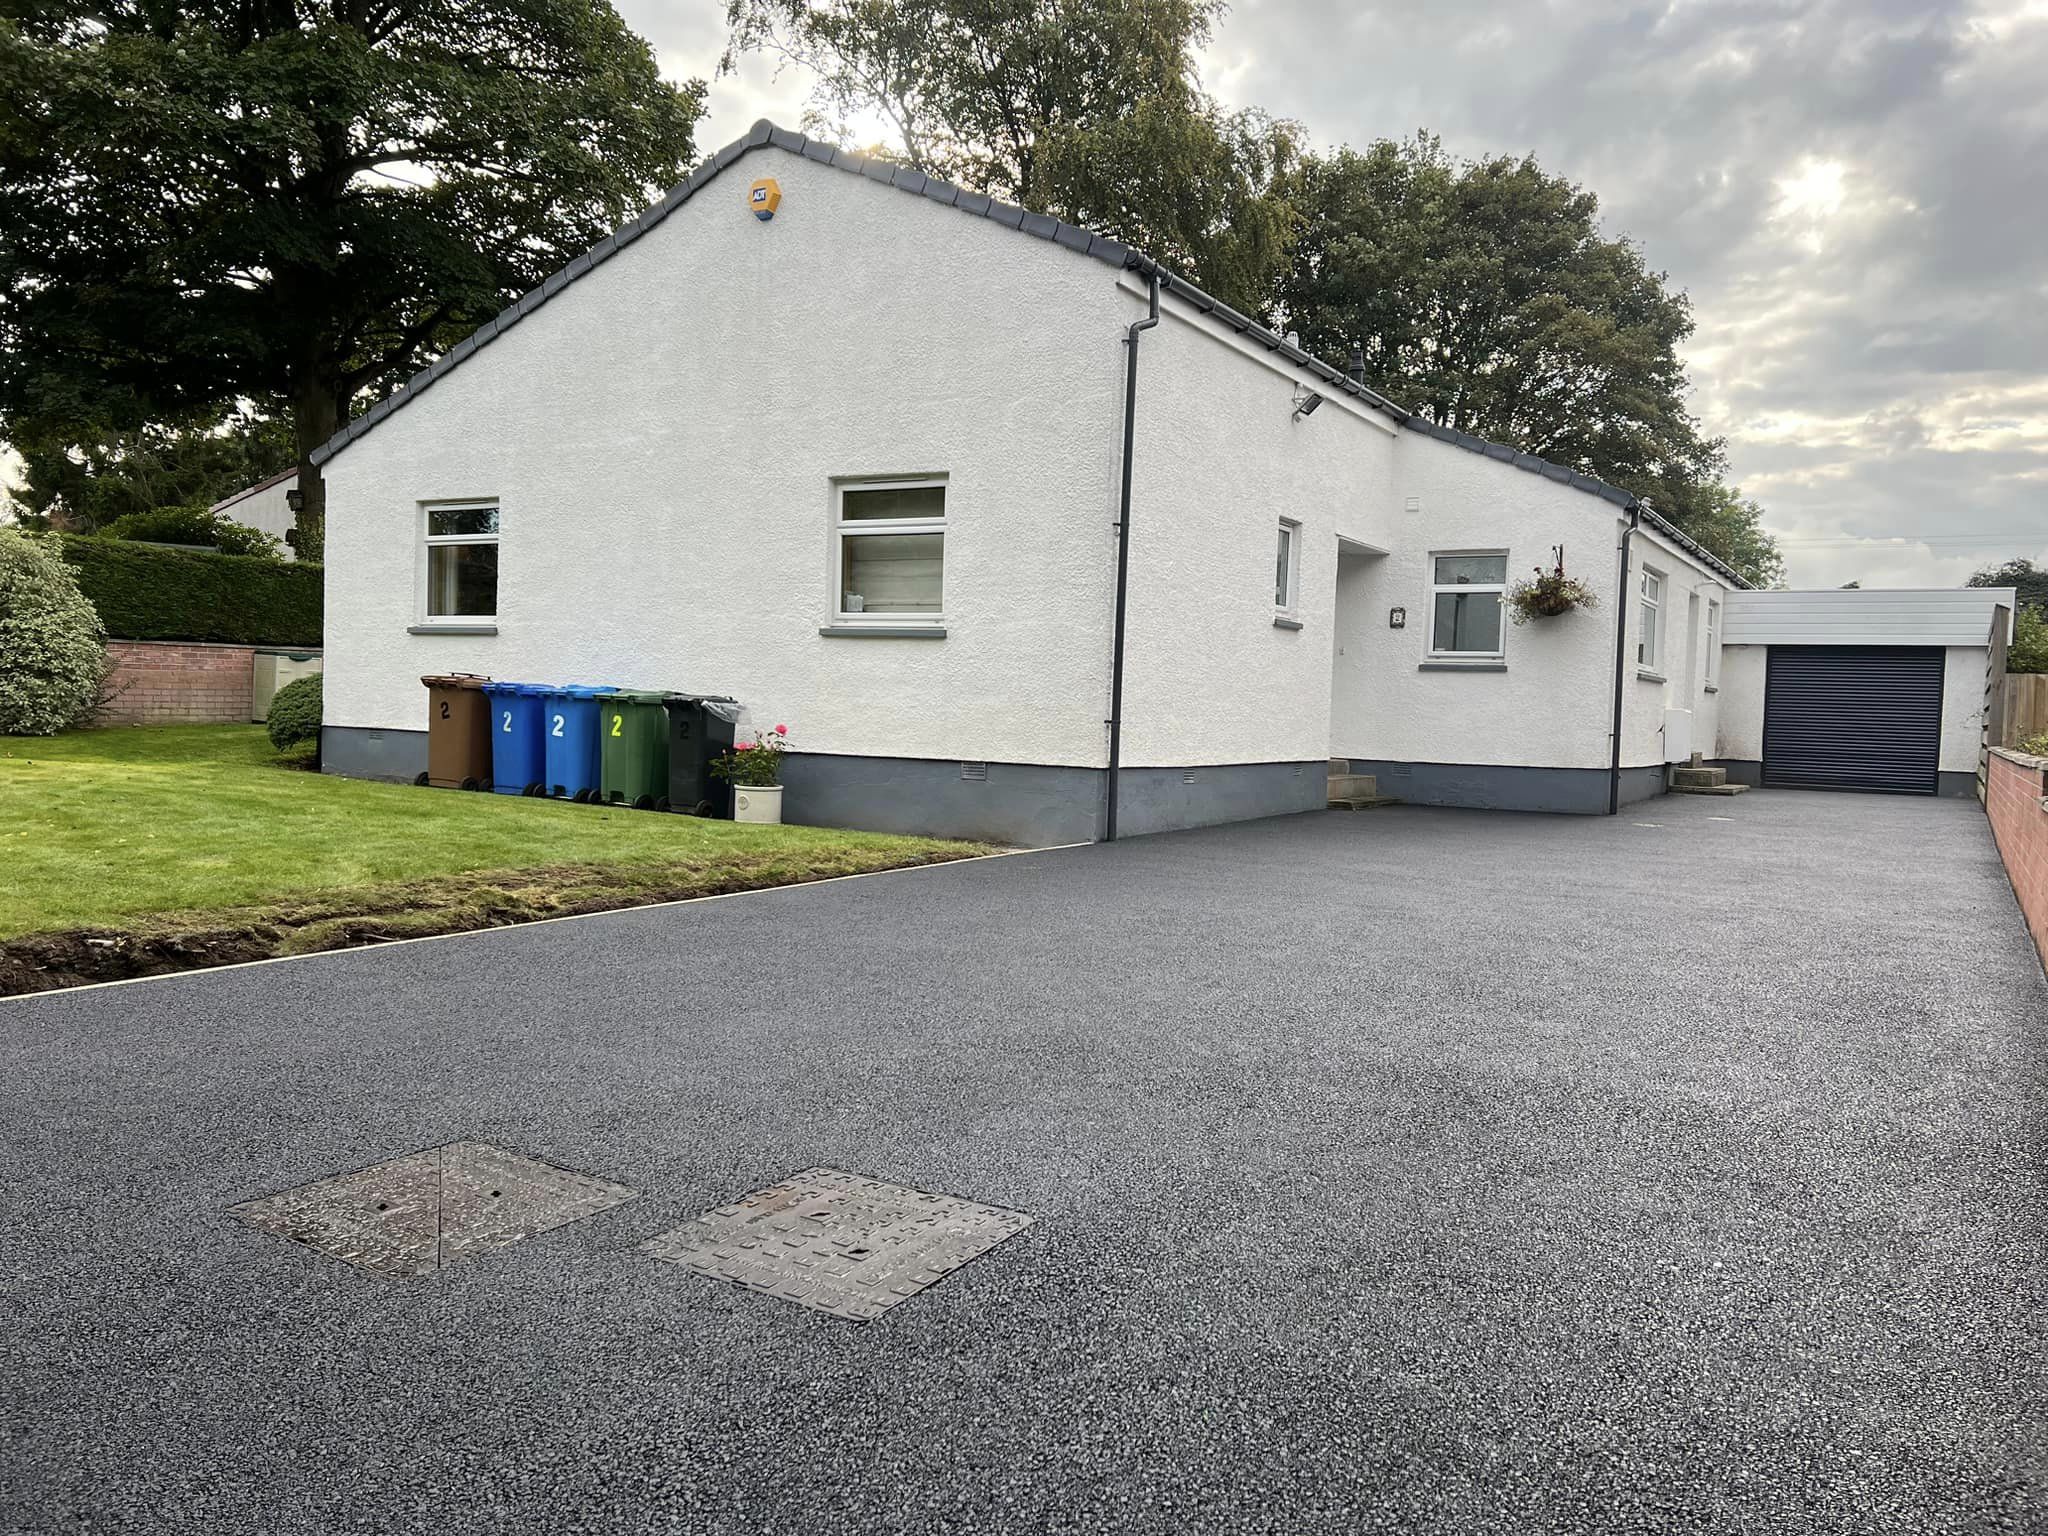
(443, 521)
(462, 581)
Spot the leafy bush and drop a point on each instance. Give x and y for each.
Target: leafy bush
(194, 525)
(143, 593)
(2029, 651)
(2035, 745)
(295, 713)
(53, 652)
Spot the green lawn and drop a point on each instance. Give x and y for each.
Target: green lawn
(102, 828)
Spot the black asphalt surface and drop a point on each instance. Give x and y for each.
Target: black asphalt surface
(1402, 1171)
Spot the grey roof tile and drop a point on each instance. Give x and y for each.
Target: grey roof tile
(759, 134)
(912, 181)
(813, 150)
(1041, 225)
(943, 192)
(1006, 214)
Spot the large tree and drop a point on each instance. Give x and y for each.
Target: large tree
(297, 202)
(1484, 296)
(80, 481)
(1088, 110)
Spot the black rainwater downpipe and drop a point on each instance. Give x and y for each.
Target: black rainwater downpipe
(1635, 518)
(1123, 555)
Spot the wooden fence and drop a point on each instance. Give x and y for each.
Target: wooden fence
(2025, 711)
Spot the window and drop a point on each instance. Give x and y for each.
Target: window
(891, 549)
(1287, 567)
(462, 561)
(1713, 643)
(1464, 609)
(1650, 640)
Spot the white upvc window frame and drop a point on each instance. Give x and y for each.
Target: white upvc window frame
(1713, 673)
(430, 541)
(1287, 578)
(1651, 586)
(1498, 588)
(843, 529)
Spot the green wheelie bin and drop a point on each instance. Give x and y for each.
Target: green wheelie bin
(632, 733)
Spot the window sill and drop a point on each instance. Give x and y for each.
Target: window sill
(883, 631)
(1647, 675)
(1478, 664)
(1282, 621)
(451, 629)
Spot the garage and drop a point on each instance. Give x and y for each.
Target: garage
(1853, 717)
(1857, 689)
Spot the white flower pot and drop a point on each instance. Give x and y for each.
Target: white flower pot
(757, 802)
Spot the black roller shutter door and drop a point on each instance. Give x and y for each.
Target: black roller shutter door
(1853, 717)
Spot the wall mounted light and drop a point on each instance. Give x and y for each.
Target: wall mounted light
(1305, 403)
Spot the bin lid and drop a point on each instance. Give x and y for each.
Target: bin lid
(638, 696)
(520, 690)
(455, 680)
(576, 691)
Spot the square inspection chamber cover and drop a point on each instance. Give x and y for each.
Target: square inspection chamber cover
(837, 1242)
(414, 1214)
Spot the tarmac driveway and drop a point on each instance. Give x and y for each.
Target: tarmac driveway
(1408, 1171)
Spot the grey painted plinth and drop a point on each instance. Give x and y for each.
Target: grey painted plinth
(357, 753)
(1491, 787)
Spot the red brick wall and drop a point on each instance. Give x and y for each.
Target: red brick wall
(2013, 793)
(168, 682)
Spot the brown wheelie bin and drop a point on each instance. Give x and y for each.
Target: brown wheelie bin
(458, 732)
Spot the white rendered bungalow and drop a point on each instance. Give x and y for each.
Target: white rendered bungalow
(1023, 537)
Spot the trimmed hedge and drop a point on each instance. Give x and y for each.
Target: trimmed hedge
(144, 593)
(295, 712)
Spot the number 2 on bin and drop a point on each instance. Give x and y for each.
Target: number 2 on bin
(617, 721)
(508, 722)
(558, 727)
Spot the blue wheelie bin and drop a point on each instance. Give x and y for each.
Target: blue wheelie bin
(518, 737)
(569, 719)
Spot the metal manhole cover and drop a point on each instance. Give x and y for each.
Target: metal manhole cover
(838, 1242)
(414, 1214)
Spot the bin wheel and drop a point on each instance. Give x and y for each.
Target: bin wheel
(420, 781)
(581, 797)
(661, 802)
(470, 784)
(535, 790)
(644, 803)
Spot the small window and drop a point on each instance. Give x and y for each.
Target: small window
(1650, 642)
(1287, 567)
(1713, 642)
(890, 542)
(1464, 610)
(462, 560)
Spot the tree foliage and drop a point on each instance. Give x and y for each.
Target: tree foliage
(297, 203)
(2030, 580)
(199, 526)
(53, 651)
(295, 712)
(1088, 110)
(2029, 650)
(1483, 295)
(83, 480)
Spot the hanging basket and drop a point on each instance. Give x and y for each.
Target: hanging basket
(1548, 594)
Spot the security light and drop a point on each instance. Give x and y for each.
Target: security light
(1305, 403)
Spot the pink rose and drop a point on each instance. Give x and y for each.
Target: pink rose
(782, 730)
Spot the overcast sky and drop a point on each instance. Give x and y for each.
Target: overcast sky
(1854, 193)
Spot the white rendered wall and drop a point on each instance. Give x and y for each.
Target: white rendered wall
(662, 437)
(1219, 460)
(1962, 707)
(1739, 737)
(1553, 705)
(1683, 663)
(1871, 616)
(267, 511)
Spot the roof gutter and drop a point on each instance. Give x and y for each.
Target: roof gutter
(1635, 518)
(1123, 558)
